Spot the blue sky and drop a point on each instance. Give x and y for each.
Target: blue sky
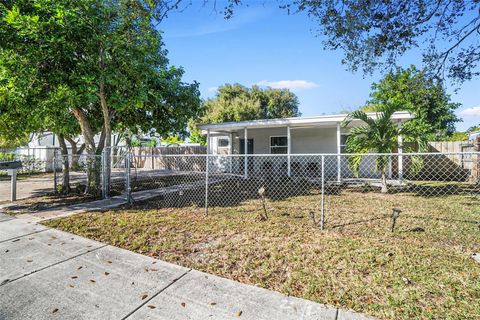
(264, 45)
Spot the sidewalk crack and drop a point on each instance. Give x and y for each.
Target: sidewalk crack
(156, 294)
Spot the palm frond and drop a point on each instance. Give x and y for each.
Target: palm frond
(358, 115)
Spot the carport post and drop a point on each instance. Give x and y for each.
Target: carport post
(231, 151)
(128, 188)
(339, 150)
(245, 160)
(207, 164)
(289, 151)
(322, 219)
(400, 157)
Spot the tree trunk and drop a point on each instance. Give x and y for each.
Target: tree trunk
(65, 165)
(76, 153)
(93, 168)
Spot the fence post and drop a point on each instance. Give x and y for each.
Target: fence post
(127, 177)
(322, 220)
(55, 171)
(104, 181)
(206, 183)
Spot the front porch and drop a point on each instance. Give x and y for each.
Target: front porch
(288, 147)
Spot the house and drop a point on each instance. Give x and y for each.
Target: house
(287, 145)
(473, 136)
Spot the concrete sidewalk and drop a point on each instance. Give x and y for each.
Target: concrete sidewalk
(49, 274)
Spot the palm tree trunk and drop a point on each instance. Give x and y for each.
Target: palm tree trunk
(384, 182)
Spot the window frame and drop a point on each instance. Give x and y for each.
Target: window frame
(343, 146)
(223, 139)
(271, 147)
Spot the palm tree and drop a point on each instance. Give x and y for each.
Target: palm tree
(378, 135)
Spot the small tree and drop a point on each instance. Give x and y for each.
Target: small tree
(379, 135)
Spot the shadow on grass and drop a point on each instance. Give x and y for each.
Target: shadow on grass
(360, 221)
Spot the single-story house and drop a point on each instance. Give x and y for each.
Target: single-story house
(473, 136)
(286, 145)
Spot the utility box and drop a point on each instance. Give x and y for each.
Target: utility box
(10, 165)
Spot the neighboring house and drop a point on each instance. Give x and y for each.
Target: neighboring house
(289, 138)
(473, 136)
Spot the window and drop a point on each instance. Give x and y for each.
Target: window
(223, 143)
(278, 145)
(343, 143)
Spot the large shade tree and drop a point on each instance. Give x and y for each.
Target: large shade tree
(99, 62)
(415, 91)
(239, 103)
(234, 102)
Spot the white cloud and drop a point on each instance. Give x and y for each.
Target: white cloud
(471, 112)
(212, 89)
(288, 84)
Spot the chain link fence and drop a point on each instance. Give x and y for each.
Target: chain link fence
(322, 186)
(329, 188)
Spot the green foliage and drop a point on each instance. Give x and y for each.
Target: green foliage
(458, 136)
(57, 53)
(12, 142)
(5, 156)
(175, 139)
(413, 90)
(89, 66)
(238, 103)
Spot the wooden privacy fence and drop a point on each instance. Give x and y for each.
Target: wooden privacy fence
(454, 160)
(152, 158)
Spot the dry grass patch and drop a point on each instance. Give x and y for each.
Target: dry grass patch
(422, 271)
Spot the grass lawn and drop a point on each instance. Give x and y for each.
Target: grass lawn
(421, 271)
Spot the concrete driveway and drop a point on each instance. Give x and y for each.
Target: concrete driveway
(27, 187)
(49, 274)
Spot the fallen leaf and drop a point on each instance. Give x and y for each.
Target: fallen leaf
(29, 260)
(54, 310)
(153, 269)
(144, 296)
(213, 303)
(93, 281)
(183, 304)
(71, 286)
(74, 277)
(79, 268)
(108, 261)
(154, 262)
(239, 313)
(107, 273)
(151, 307)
